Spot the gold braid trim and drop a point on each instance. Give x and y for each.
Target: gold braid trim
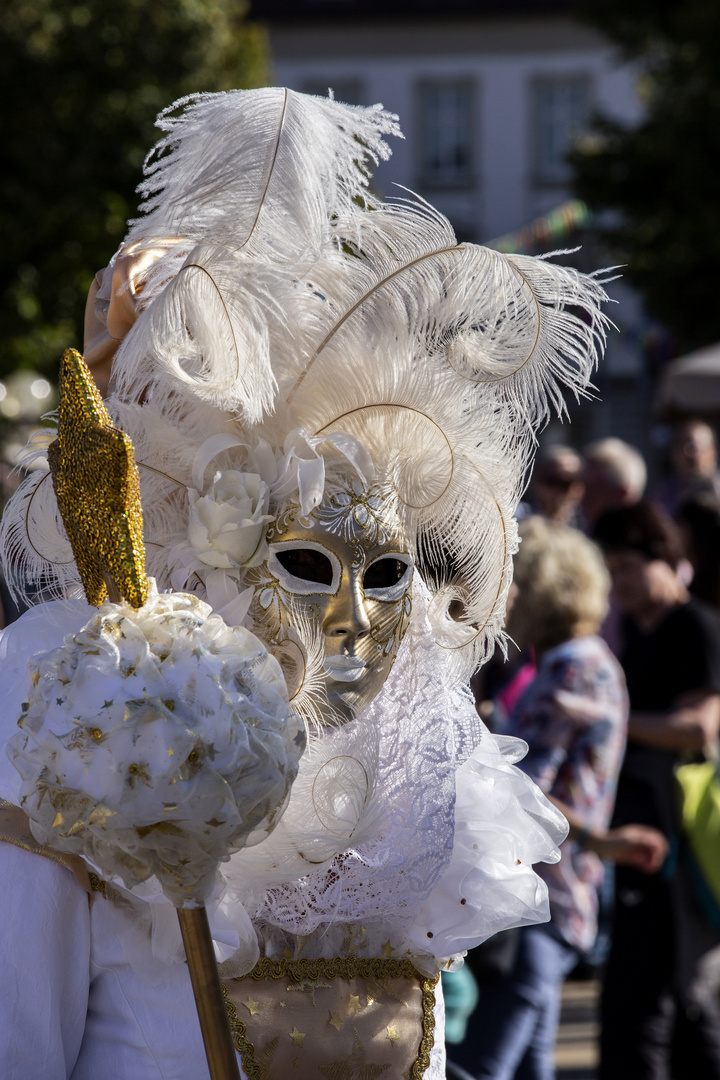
(299, 970)
(428, 1026)
(106, 890)
(242, 1044)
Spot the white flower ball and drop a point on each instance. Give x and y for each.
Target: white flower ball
(157, 742)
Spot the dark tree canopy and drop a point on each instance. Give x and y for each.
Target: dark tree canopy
(661, 177)
(81, 85)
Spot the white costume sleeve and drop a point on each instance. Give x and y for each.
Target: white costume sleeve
(44, 959)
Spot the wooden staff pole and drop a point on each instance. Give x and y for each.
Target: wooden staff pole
(214, 1024)
(209, 1001)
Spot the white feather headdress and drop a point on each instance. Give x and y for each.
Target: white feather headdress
(289, 303)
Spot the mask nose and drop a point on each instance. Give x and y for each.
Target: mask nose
(347, 617)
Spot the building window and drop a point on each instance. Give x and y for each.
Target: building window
(349, 91)
(560, 112)
(446, 134)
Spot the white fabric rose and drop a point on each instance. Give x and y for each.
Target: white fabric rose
(227, 525)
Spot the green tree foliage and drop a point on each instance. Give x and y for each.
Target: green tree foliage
(661, 177)
(81, 82)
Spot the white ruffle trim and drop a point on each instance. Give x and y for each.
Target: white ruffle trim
(503, 824)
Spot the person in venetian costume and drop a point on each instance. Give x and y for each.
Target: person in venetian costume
(332, 405)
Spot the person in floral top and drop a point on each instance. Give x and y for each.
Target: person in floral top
(573, 716)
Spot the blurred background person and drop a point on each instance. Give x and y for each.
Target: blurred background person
(693, 458)
(698, 519)
(615, 475)
(660, 1007)
(498, 684)
(557, 485)
(573, 716)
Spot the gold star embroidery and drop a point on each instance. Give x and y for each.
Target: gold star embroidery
(392, 1034)
(387, 948)
(253, 1007)
(335, 1021)
(354, 1003)
(296, 1062)
(97, 488)
(297, 1036)
(281, 1004)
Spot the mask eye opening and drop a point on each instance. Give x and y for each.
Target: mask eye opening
(385, 573)
(307, 564)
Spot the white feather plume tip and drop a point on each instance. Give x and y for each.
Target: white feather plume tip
(265, 171)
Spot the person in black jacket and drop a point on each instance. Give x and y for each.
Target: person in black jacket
(660, 1011)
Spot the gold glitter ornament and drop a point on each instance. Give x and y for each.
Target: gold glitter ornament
(97, 487)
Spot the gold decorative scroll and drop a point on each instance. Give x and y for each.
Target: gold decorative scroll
(342, 1019)
(98, 489)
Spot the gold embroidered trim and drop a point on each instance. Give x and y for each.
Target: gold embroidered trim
(298, 970)
(242, 1044)
(106, 890)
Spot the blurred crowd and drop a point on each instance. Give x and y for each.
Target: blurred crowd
(613, 680)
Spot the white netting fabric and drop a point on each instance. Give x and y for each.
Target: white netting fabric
(384, 877)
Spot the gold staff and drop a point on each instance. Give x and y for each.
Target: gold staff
(98, 493)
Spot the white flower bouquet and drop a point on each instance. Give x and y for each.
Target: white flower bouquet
(157, 742)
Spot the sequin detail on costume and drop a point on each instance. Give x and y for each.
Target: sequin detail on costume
(98, 489)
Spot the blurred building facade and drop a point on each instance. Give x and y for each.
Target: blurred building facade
(491, 95)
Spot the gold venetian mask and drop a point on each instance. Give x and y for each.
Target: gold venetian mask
(344, 570)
